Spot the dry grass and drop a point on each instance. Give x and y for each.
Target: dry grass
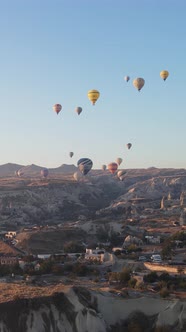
(50, 241)
(10, 292)
(7, 250)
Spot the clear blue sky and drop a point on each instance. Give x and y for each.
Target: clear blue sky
(54, 51)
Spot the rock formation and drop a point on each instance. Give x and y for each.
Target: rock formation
(80, 310)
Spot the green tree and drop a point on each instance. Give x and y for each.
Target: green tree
(124, 275)
(46, 266)
(180, 269)
(151, 277)
(132, 282)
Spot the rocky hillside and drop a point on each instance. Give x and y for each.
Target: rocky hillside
(28, 201)
(76, 309)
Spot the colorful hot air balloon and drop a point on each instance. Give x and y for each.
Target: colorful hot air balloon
(126, 78)
(164, 74)
(119, 161)
(78, 110)
(112, 167)
(93, 96)
(84, 165)
(104, 167)
(139, 83)
(57, 108)
(71, 154)
(121, 174)
(129, 145)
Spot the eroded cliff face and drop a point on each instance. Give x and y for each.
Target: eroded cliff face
(78, 310)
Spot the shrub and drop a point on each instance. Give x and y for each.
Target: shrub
(162, 329)
(164, 276)
(151, 277)
(164, 292)
(132, 282)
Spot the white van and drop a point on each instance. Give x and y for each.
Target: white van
(156, 258)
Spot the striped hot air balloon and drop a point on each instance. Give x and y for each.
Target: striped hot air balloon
(84, 165)
(93, 96)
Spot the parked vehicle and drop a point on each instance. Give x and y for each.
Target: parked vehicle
(156, 258)
(142, 258)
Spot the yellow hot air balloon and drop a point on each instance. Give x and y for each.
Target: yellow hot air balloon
(93, 96)
(139, 83)
(164, 74)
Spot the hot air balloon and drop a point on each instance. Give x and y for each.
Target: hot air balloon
(93, 96)
(139, 83)
(104, 167)
(121, 174)
(20, 173)
(119, 161)
(78, 176)
(126, 78)
(44, 172)
(164, 74)
(78, 110)
(112, 167)
(57, 108)
(129, 145)
(71, 154)
(84, 165)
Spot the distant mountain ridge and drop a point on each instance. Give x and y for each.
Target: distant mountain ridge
(9, 169)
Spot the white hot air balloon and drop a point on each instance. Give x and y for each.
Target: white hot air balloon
(78, 176)
(127, 78)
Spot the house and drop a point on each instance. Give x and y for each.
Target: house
(37, 267)
(10, 235)
(44, 256)
(94, 251)
(94, 254)
(8, 260)
(132, 240)
(152, 239)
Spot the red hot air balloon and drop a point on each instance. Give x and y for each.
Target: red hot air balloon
(112, 167)
(57, 108)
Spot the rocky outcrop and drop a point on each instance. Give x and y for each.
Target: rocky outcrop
(79, 310)
(53, 201)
